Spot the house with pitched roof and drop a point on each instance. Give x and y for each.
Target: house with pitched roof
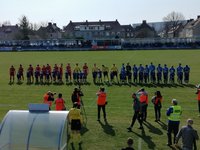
(51, 31)
(90, 30)
(127, 31)
(9, 32)
(191, 29)
(144, 31)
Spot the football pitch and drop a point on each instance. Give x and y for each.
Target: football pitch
(111, 136)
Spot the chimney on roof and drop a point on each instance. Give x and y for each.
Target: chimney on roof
(70, 21)
(100, 20)
(116, 20)
(144, 22)
(198, 17)
(54, 24)
(49, 24)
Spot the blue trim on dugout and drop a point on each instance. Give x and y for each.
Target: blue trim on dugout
(29, 133)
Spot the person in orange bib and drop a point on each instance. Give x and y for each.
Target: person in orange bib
(143, 97)
(101, 103)
(198, 97)
(48, 98)
(60, 103)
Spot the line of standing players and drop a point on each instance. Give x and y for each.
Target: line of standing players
(152, 74)
(141, 74)
(127, 74)
(47, 75)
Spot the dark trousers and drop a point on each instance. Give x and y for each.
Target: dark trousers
(145, 112)
(103, 107)
(173, 127)
(199, 105)
(137, 116)
(157, 112)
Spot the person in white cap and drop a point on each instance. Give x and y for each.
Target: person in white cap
(188, 135)
(174, 114)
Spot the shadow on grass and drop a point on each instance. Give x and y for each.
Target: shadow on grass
(108, 129)
(84, 130)
(163, 125)
(147, 139)
(152, 128)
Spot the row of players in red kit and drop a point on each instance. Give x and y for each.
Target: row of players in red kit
(46, 74)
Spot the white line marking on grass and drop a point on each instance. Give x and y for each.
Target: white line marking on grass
(93, 102)
(139, 144)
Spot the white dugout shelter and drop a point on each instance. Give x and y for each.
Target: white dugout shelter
(34, 129)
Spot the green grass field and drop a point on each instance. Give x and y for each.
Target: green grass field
(113, 136)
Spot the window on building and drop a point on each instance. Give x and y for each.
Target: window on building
(107, 34)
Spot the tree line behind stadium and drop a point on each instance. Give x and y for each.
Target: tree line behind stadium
(127, 74)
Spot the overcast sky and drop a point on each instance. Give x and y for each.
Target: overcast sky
(126, 11)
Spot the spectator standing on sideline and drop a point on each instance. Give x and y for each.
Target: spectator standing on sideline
(198, 97)
(174, 115)
(48, 98)
(143, 96)
(130, 144)
(101, 103)
(60, 103)
(76, 97)
(157, 101)
(137, 112)
(188, 135)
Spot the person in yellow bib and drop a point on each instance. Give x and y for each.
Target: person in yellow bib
(174, 115)
(75, 120)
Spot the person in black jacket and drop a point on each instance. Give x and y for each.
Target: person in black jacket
(76, 96)
(157, 101)
(137, 112)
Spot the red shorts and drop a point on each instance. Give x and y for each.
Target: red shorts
(12, 74)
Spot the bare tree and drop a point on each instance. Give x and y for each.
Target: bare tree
(172, 20)
(6, 23)
(34, 26)
(43, 24)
